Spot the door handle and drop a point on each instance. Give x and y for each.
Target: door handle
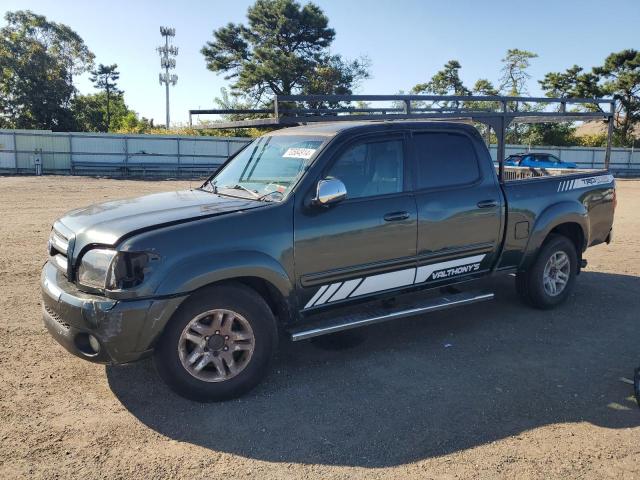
(395, 216)
(487, 204)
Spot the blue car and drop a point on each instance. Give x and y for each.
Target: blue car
(537, 160)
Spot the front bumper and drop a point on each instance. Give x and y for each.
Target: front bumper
(124, 330)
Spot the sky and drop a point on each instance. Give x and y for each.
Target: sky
(407, 41)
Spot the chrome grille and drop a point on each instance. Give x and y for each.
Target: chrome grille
(58, 247)
(58, 242)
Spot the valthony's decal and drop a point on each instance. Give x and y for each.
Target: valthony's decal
(567, 185)
(399, 278)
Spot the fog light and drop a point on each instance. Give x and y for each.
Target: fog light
(94, 343)
(87, 344)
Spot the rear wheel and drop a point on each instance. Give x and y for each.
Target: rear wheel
(218, 345)
(550, 279)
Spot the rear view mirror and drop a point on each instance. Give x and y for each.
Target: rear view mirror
(329, 191)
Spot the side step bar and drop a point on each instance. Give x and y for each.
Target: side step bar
(377, 315)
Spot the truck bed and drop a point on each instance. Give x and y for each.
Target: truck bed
(538, 198)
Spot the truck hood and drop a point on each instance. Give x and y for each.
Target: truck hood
(106, 223)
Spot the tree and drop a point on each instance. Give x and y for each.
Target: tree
(513, 83)
(283, 50)
(38, 59)
(621, 79)
(618, 77)
(105, 78)
(484, 87)
(445, 82)
(57, 39)
(90, 113)
(514, 76)
(572, 83)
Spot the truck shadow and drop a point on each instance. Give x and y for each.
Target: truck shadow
(417, 388)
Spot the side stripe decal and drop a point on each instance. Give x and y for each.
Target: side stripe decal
(328, 292)
(427, 271)
(316, 296)
(346, 289)
(385, 281)
(390, 280)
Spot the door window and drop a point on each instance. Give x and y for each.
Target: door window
(445, 159)
(371, 168)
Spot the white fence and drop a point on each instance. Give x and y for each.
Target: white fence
(160, 155)
(113, 154)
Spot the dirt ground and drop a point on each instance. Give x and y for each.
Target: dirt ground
(494, 390)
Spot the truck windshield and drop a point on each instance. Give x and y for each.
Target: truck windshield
(268, 168)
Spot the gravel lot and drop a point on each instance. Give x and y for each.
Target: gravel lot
(518, 393)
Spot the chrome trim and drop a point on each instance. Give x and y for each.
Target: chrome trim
(60, 262)
(330, 190)
(58, 242)
(442, 303)
(51, 289)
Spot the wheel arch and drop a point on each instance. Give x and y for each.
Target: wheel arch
(569, 219)
(256, 270)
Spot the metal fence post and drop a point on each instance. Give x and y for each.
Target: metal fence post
(607, 154)
(126, 156)
(71, 165)
(178, 147)
(15, 151)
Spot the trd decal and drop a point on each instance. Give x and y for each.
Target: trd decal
(399, 278)
(567, 185)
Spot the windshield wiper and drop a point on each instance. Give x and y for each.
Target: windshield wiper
(215, 189)
(237, 186)
(264, 198)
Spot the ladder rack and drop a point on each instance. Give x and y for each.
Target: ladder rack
(497, 112)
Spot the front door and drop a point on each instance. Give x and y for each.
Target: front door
(365, 244)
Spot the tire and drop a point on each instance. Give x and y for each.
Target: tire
(531, 285)
(218, 345)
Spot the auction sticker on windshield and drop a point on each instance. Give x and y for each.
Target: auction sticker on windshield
(305, 153)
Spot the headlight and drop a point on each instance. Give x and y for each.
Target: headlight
(111, 270)
(95, 267)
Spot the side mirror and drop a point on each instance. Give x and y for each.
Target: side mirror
(329, 191)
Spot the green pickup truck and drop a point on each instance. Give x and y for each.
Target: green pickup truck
(306, 231)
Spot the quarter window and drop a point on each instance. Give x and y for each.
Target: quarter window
(370, 169)
(445, 159)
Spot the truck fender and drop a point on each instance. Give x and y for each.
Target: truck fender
(196, 272)
(551, 217)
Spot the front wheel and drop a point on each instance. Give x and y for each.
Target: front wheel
(550, 279)
(218, 345)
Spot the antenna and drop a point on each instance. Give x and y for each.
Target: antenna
(167, 62)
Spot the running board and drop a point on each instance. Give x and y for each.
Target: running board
(379, 314)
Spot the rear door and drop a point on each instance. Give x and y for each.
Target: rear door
(365, 244)
(460, 206)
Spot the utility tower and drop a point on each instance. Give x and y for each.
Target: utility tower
(167, 53)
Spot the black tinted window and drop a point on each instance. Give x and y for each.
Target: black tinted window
(445, 159)
(372, 168)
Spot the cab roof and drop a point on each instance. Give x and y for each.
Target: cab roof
(330, 129)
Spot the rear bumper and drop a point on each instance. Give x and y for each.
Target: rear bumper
(123, 330)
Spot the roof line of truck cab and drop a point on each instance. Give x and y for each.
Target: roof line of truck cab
(331, 129)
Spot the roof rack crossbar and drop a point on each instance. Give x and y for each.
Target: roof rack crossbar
(498, 112)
